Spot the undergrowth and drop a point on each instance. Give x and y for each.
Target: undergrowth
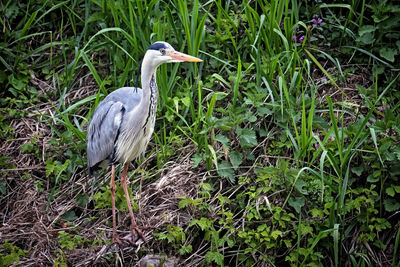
(289, 132)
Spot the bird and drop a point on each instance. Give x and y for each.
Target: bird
(122, 124)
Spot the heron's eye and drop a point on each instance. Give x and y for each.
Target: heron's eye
(162, 51)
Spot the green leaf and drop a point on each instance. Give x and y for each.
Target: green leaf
(391, 204)
(222, 139)
(317, 213)
(396, 151)
(390, 191)
(275, 234)
(69, 216)
(300, 183)
(396, 188)
(357, 170)
(203, 223)
(214, 257)
(184, 203)
(372, 179)
(225, 170)
(185, 249)
(367, 38)
(297, 203)
(262, 111)
(197, 158)
(247, 137)
(82, 200)
(236, 159)
(366, 29)
(378, 243)
(3, 188)
(186, 101)
(388, 53)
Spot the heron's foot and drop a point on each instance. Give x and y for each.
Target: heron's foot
(116, 240)
(137, 233)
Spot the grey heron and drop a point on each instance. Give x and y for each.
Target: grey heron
(122, 124)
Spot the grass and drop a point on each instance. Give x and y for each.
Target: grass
(281, 148)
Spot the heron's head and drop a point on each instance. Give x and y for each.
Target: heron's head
(162, 52)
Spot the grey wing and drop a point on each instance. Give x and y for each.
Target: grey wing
(103, 131)
(129, 96)
(104, 127)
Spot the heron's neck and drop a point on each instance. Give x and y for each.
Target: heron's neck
(148, 104)
(148, 73)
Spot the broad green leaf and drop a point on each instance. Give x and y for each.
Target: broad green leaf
(275, 234)
(366, 29)
(317, 213)
(236, 158)
(300, 183)
(388, 53)
(367, 38)
(372, 179)
(225, 170)
(3, 187)
(203, 223)
(222, 139)
(197, 158)
(390, 191)
(391, 204)
(69, 216)
(297, 203)
(214, 257)
(357, 170)
(186, 101)
(247, 137)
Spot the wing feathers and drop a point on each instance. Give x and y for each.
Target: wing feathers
(103, 131)
(105, 125)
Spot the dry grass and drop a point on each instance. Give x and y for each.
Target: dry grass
(32, 218)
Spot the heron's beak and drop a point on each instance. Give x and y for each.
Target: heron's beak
(180, 57)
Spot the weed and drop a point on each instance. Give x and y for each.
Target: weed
(11, 254)
(69, 242)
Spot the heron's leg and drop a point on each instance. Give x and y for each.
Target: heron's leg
(124, 178)
(113, 188)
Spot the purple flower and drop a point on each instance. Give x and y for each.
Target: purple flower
(294, 38)
(317, 22)
(282, 25)
(301, 39)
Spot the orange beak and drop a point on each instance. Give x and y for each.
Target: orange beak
(178, 56)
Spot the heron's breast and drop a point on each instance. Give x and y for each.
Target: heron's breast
(134, 141)
(133, 145)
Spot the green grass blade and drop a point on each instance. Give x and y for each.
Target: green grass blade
(28, 23)
(336, 243)
(92, 69)
(316, 62)
(370, 55)
(396, 248)
(335, 129)
(237, 82)
(373, 135)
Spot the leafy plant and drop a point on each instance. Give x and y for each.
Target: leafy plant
(69, 242)
(177, 237)
(103, 198)
(11, 254)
